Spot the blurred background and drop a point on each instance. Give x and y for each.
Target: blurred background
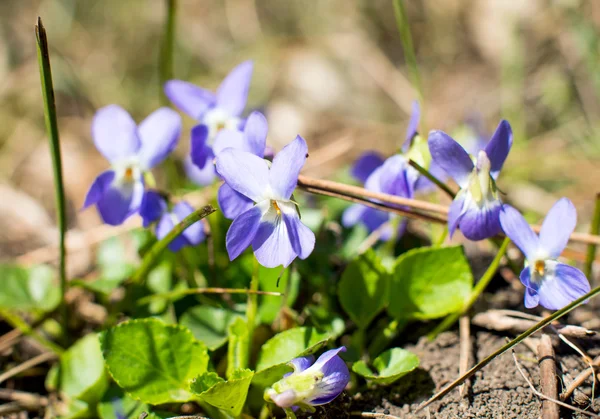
(331, 70)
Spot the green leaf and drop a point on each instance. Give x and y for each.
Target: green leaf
(209, 324)
(429, 283)
(390, 365)
(117, 405)
(270, 305)
(152, 361)
(30, 289)
(363, 288)
(112, 260)
(285, 346)
(229, 395)
(160, 280)
(81, 374)
(237, 351)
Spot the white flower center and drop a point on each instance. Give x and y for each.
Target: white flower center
(482, 188)
(127, 171)
(216, 120)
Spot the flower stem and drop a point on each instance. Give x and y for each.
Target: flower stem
(475, 293)
(407, 45)
(252, 307)
(166, 71)
(18, 323)
(59, 191)
(591, 249)
(540, 325)
(159, 247)
(432, 178)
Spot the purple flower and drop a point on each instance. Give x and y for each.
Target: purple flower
(547, 281)
(476, 208)
(154, 207)
(131, 150)
(394, 177)
(311, 383)
(273, 225)
(215, 112)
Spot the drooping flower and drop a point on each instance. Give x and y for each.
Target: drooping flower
(154, 207)
(547, 281)
(311, 383)
(394, 177)
(132, 150)
(272, 226)
(215, 112)
(477, 205)
(253, 140)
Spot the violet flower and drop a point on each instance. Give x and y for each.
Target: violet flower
(132, 150)
(476, 208)
(547, 281)
(394, 177)
(154, 207)
(214, 112)
(311, 383)
(273, 225)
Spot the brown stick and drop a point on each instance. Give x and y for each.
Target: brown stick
(580, 379)
(46, 356)
(547, 362)
(464, 327)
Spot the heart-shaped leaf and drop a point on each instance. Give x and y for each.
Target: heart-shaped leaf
(285, 346)
(429, 283)
(152, 361)
(229, 395)
(390, 365)
(33, 289)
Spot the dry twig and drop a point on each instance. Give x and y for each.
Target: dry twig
(547, 363)
(46, 356)
(464, 326)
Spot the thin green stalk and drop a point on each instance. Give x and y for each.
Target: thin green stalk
(594, 229)
(475, 293)
(407, 44)
(160, 246)
(540, 325)
(18, 323)
(252, 307)
(432, 178)
(59, 191)
(167, 47)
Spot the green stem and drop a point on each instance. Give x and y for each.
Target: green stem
(18, 323)
(540, 325)
(252, 307)
(383, 339)
(53, 137)
(475, 293)
(166, 71)
(160, 246)
(432, 178)
(594, 229)
(407, 45)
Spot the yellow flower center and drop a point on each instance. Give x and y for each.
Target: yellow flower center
(274, 205)
(128, 174)
(539, 267)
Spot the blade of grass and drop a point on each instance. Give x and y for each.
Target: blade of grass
(477, 290)
(540, 325)
(407, 45)
(160, 246)
(591, 249)
(432, 178)
(52, 129)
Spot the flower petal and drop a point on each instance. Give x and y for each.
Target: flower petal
(301, 363)
(353, 214)
(394, 177)
(159, 134)
(478, 223)
(335, 379)
(233, 91)
(557, 227)
(203, 177)
(232, 203)
(272, 245)
(532, 298)
(286, 167)
(365, 165)
(456, 212)
(413, 123)
(153, 206)
(230, 138)
(567, 285)
(451, 157)
(189, 98)
(244, 172)
(115, 133)
(194, 233)
(301, 237)
(199, 149)
(499, 146)
(119, 202)
(519, 231)
(255, 131)
(98, 188)
(242, 231)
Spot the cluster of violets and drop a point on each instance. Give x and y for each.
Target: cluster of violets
(257, 194)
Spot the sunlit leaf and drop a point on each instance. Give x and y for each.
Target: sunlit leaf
(229, 395)
(391, 365)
